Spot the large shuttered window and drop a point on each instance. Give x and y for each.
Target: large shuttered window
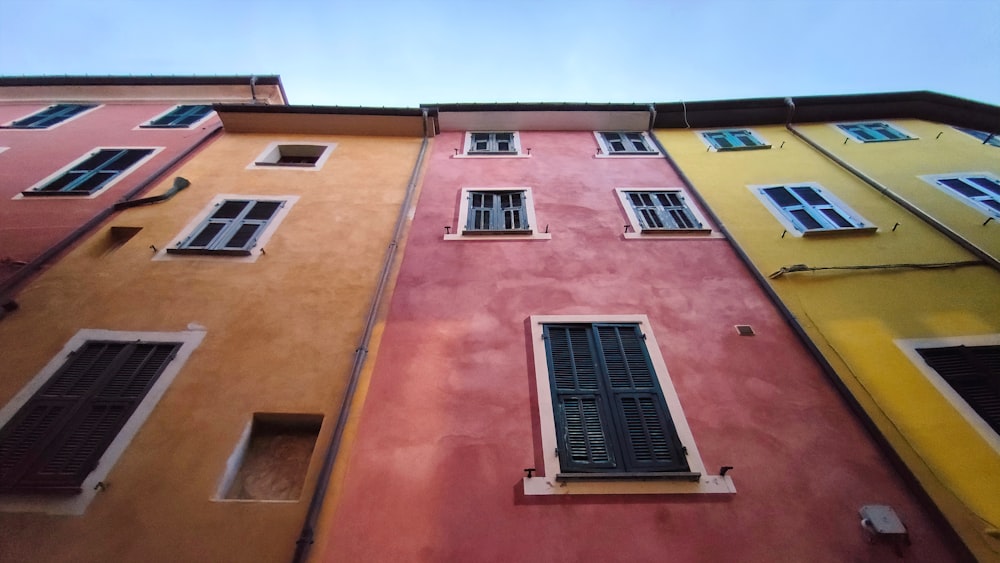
(810, 209)
(974, 373)
(92, 173)
(232, 228)
(609, 409)
(981, 191)
(180, 117)
(626, 142)
(497, 212)
(56, 439)
(733, 139)
(662, 211)
(50, 116)
(873, 131)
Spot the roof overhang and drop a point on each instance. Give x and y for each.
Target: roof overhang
(928, 106)
(542, 117)
(233, 89)
(322, 120)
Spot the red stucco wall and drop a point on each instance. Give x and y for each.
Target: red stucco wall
(450, 418)
(29, 226)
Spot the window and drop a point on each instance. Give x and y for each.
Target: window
(980, 190)
(232, 228)
(490, 213)
(486, 143)
(733, 139)
(50, 116)
(611, 421)
(658, 211)
(90, 175)
(991, 139)
(873, 131)
(974, 374)
(181, 117)
(58, 436)
(634, 143)
(300, 156)
(808, 209)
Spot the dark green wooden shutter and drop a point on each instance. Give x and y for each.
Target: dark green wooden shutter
(59, 435)
(974, 373)
(609, 408)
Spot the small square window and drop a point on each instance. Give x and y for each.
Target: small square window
(991, 139)
(492, 143)
(486, 213)
(874, 132)
(180, 117)
(625, 143)
(93, 173)
(233, 225)
(980, 190)
(660, 211)
(303, 156)
(808, 209)
(50, 116)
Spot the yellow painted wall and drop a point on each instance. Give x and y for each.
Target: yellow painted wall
(854, 317)
(281, 335)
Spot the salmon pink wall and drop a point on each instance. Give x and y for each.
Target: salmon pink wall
(29, 226)
(450, 419)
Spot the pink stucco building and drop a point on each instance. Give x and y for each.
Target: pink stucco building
(565, 305)
(71, 147)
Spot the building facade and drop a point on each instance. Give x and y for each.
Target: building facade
(873, 219)
(577, 366)
(172, 386)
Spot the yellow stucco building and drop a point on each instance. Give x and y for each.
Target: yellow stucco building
(218, 330)
(873, 219)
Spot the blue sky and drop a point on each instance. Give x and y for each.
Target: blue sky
(398, 53)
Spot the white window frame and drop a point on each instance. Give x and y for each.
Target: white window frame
(268, 158)
(637, 231)
(545, 482)
(935, 180)
(518, 152)
(993, 141)
(779, 214)
(909, 136)
(139, 164)
(255, 252)
(206, 117)
(703, 137)
(9, 125)
(909, 348)
(535, 233)
(77, 504)
(604, 150)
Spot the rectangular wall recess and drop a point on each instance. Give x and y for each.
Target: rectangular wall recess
(272, 458)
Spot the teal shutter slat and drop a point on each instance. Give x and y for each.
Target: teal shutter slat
(56, 439)
(609, 408)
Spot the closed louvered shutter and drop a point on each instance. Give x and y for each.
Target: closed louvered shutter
(59, 435)
(974, 373)
(609, 409)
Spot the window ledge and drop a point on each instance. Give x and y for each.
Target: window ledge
(31, 193)
(840, 232)
(498, 235)
(629, 155)
(737, 149)
(204, 252)
(631, 476)
(669, 233)
(629, 484)
(285, 164)
(492, 155)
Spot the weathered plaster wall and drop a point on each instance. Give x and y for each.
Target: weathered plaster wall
(855, 316)
(450, 419)
(29, 226)
(281, 335)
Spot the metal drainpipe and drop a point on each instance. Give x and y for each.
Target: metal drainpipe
(36, 264)
(828, 370)
(305, 540)
(941, 227)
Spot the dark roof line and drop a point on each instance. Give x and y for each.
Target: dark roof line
(537, 106)
(316, 110)
(235, 80)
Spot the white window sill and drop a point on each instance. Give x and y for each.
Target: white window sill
(531, 236)
(738, 149)
(628, 155)
(653, 234)
(706, 484)
(487, 155)
(835, 232)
